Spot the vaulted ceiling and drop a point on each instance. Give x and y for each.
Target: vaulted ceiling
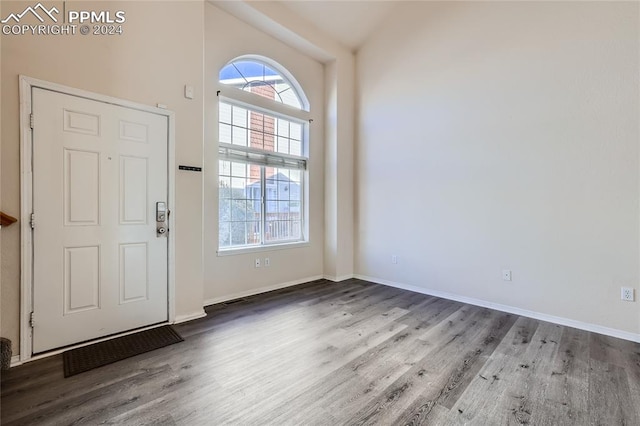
(348, 22)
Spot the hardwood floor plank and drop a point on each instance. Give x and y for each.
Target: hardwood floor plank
(480, 401)
(512, 388)
(460, 373)
(566, 394)
(432, 372)
(610, 398)
(343, 380)
(97, 404)
(326, 353)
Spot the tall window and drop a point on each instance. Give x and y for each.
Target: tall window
(262, 154)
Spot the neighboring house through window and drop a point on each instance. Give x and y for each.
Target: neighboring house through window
(262, 157)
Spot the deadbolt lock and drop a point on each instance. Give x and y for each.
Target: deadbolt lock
(161, 218)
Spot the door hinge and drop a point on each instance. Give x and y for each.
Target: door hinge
(31, 120)
(32, 221)
(32, 322)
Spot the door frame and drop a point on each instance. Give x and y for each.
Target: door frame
(27, 84)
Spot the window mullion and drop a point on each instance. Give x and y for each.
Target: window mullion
(263, 191)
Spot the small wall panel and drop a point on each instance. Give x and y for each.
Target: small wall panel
(81, 188)
(136, 132)
(81, 279)
(134, 283)
(81, 122)
(133, 190)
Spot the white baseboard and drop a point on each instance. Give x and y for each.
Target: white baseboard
(259, 290)
(510, 309)
(15, 361)
(338, 279)
(190, 317)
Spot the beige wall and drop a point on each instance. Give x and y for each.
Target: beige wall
(504, 135)
(159, 52)
(284, 24)
(227, 37)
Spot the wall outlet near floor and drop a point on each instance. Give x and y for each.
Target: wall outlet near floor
(394, 259)
(627, 294)
(257, 262)
(267, 262)
(506, 275)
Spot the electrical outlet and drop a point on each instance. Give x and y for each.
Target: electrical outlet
(267, 262)
(506, 275)
(257, 262)
(626, 293)
(394, 259)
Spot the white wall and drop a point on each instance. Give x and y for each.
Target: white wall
(229, 276)
(504, 135)
(159, 52)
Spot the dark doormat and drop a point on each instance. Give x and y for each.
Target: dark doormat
(93, 356)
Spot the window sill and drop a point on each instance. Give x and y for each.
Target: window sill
(270, 247)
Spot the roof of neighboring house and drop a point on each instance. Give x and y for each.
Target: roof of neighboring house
(278, 177)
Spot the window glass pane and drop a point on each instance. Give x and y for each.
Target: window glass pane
(253, 232)
(256, 139)
(239, 136)
(282, 206)
(225, 113)
(238, 186)
(260, 88)
(295, 175)
(239, 214)
(296, 131)
(225, 133)
(224, 168)
(225, 210)
(284, 191)
(253, 210)
(283, 127)
(283, 145)
(230, 73)
(239, 169)
(265, 132)
(295, 147)
(284, 174)
(283, 209)
(225, 185)
(238, 234)
(258, 78)
(224, 236)
(239, 211)
(239, 116)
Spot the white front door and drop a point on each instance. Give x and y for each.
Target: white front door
(99, 265)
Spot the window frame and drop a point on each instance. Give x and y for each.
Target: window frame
(237, 97)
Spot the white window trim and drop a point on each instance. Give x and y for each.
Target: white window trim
(264, 247)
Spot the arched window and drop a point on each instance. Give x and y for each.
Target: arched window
(257, 77)
(262, 156)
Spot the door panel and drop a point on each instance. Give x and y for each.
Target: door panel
(99, 267)
(134, 283)
(81, 196)
(133, 190)
(81, 279)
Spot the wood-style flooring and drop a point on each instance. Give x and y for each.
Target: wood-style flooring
(350, 353)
